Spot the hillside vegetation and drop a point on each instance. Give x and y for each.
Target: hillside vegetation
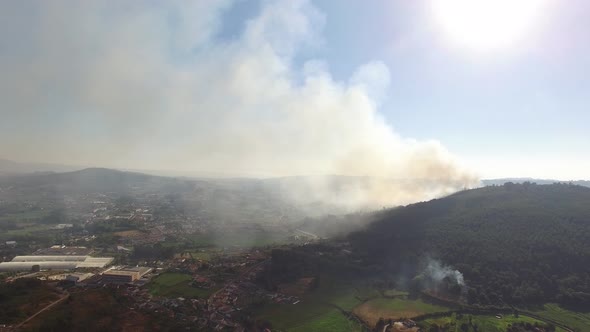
(515, 244)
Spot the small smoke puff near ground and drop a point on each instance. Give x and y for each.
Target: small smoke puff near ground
(240, 107)
(436, 271)
(439, 278)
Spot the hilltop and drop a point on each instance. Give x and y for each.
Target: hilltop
(515, 244)
(89, 179)
(10, 167)
(499, 182)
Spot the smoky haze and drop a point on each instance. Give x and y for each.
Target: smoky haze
(437, 272)
(154, 87)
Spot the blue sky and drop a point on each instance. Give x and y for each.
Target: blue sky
(142, 86)
(529, 102)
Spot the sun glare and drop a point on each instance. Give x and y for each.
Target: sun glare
(486, 25)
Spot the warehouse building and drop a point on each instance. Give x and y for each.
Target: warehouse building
(125, 275)
(77, 277)
(60, 250)
(65, 262)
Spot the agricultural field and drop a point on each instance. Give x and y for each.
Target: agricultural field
(171, 284)
(196, 254)
(319, 310)
(18, 226)
(396, 308)
(332, 321)
(24, 217)
(25, 232)
(579, 321)
(237, 239)
(394, 293)
(287, 317)
(485, 323)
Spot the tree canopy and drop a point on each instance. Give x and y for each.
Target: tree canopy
(515, 244)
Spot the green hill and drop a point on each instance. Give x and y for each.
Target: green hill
(515, 244)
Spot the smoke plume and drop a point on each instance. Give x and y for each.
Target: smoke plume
(152, 85)
(437, 272)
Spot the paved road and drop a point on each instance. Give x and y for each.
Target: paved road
(29, 275)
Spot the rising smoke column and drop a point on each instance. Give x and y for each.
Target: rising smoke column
(121, 86)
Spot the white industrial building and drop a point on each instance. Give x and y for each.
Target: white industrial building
(125, 275)
(66, 262)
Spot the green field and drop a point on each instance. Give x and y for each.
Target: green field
(25, 226)
(285, 317)
(401, 305)
(394, 293)
(484, 322)
(196, 254)
(579, 321)
(239, 239)
(317, 310)
(33, 232)
(332, 321)
(24, 217)
(171, 284)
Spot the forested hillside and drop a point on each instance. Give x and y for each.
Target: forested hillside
(515, 243)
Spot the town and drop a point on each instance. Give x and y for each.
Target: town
(146, 250)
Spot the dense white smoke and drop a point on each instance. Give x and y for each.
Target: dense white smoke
(437, 272)
(148, 85)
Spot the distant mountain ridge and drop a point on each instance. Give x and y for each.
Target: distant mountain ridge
(8, 167)
(217, 200)
(87, 180)
(501, 181)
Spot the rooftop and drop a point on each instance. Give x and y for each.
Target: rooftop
(58, 262)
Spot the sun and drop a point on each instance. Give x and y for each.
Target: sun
(487, 25)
